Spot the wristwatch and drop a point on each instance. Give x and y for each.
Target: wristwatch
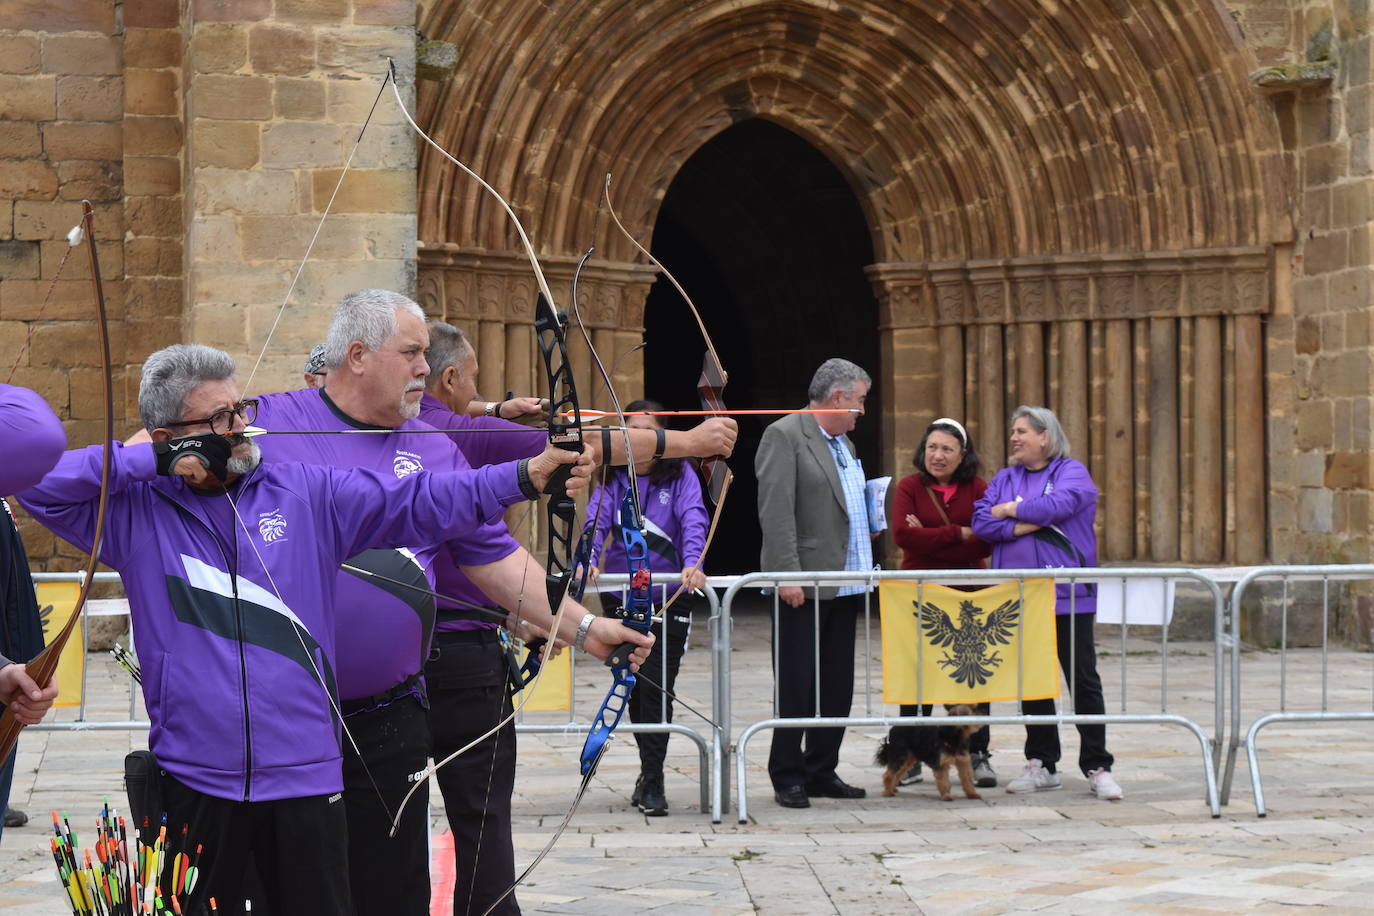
(582, 629)
(492, 407)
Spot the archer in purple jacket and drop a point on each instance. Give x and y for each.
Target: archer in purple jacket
(1038, 514)
(675, 528)
(231, 570)
(31, 441)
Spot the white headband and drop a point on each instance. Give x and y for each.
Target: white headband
(946, 421)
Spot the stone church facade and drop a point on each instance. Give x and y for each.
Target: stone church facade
(1153, 215)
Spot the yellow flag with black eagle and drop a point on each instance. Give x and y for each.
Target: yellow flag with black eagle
(945, 645)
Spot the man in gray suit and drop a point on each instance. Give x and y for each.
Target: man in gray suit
(814, 517)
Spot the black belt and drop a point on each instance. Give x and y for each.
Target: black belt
(485, 615)
(413, 684)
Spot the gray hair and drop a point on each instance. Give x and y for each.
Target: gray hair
(1043, 420)
(367, 316)
(171, 374)
(448, 346)
(835, 374)
(314, 363)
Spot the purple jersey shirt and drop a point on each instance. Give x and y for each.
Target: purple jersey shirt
(383, 631)
(674, 522)
(31, 439)
(513, 443)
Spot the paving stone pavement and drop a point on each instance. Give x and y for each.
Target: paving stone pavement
(1156, 851)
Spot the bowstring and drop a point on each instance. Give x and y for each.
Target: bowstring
(319, 226)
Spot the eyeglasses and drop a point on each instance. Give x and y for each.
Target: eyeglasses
(222, 421)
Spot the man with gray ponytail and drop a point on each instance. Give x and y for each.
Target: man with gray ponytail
(814, 516)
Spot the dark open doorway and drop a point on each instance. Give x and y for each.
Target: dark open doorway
(769, 240)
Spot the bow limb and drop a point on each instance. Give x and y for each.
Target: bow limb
(709, 387)
(44, 665)
(549, 324)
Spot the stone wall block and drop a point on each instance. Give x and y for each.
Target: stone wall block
(219, 47)
(227, 191)
(152, 14)
(237, 282)
(18, 261)
(83, 140)
(353, 52)
(234, 98)
(41, 219)
(216, 238)
(285, 49)
(28, 98)
(1347, 471)
(313, 10)
(390, 237)
(151, 92)
(385, 146)
(27, 179)
(267, 237)
(90, 98)
(67, 16)
(231, 10)
(151, 49)
(226, 324)
(149, 296)
(349, 102)
(225, 144)
(152, 175)
(81, 54)
(1324, 164)
(93, 179)
(158, 217)
(149, 257)
(298, 99)
(303, 144)
(1351, 290)
(1315, 509)
(1326, 253)
(22, 300)
(384, 12)
(19, 140)
(329, 282)
(19, 54)
(365, 191)
(1316, 425)
(111, 254)
(152, 136)
(305, 326)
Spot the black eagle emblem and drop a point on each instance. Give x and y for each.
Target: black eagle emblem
(967, 657)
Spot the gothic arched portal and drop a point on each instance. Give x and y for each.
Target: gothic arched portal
(1069, 203)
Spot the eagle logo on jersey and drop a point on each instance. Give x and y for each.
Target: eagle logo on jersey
(272, 526)
(406, 463)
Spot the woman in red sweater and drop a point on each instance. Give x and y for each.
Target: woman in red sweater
(931, 514)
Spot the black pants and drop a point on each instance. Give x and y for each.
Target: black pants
(1042, 741)
(795, 639)
(978, 744)
(298, 848)
(389, 875)
(647, 703)
(468, 693)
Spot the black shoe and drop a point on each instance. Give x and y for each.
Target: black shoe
(648, 795)
(792, 797)
(834, 787)
(15, 818)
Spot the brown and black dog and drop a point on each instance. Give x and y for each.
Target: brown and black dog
(937, 746)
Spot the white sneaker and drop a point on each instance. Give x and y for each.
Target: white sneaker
(1101, 784)
(1035, 778)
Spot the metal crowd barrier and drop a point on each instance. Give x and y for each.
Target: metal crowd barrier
(709, 747)
(1287, 574)
(1209, 745)
(81, 723)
